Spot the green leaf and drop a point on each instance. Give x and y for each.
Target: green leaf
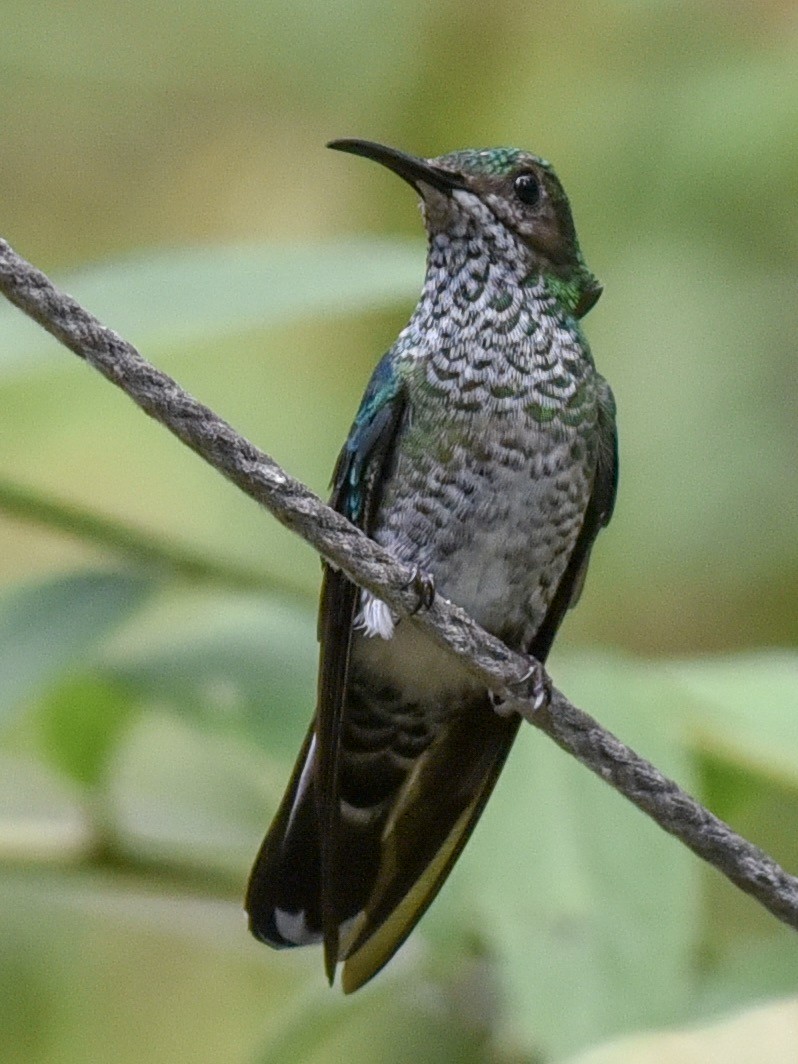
(237, 663)
(177, 296)
(578, 898)
(79, 723)
(181, 797)
(745, 708)
(50, 628)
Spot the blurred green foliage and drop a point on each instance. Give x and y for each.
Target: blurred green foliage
(165, 162)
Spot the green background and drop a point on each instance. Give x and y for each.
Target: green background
(165, 163)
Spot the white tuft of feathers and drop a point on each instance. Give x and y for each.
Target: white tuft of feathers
(374, 617)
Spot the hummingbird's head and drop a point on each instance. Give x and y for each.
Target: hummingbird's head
(499, 193)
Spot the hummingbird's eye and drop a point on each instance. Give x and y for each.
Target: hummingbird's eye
(527, 188)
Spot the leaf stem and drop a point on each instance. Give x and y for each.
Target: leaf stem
(142, 548)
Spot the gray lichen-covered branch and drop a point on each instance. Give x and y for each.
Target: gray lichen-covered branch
(372, 567)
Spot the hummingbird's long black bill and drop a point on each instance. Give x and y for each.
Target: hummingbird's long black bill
(409, 167)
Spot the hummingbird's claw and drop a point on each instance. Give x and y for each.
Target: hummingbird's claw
(534, 686)
(539, 686)
(423, 584)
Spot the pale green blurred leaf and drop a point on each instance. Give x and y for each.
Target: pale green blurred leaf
(767, 1033)
(51, 627)
(182, 797)
(580, 898)
(195, 293)
(745, 708)
(42, 817)
(239, 663)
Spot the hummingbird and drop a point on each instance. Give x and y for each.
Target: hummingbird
(484, 455)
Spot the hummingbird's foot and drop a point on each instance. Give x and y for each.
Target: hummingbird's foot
(534, 686)
(502, 702)
(423, 584)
